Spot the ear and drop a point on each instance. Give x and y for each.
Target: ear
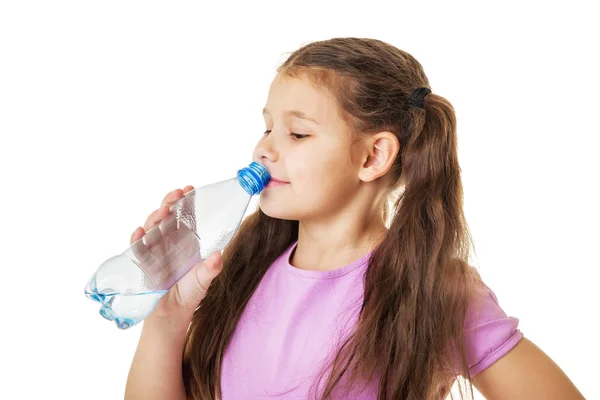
(379, 153)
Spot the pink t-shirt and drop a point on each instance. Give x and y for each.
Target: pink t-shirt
(296, 318)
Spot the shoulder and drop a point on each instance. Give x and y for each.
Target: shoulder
(489, 332)
(505, 364)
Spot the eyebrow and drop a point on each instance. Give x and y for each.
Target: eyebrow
(295, 113)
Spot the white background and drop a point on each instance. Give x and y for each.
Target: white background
(105, 106)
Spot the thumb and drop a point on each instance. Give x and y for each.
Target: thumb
(203, 274)
(206, 271)
(191, 289)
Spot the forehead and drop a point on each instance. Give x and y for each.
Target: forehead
(299, 93)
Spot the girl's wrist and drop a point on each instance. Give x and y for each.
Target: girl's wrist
(176, 325)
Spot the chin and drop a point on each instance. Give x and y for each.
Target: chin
(277, 210)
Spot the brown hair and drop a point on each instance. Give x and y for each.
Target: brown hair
(409, 337)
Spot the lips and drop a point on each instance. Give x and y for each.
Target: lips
(277, 180)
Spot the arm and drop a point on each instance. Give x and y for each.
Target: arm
(525, 372)
(155, 371)
(156, 368)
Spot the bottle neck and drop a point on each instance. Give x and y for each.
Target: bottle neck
(253, 178)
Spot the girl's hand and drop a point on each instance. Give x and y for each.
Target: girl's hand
(182, 298)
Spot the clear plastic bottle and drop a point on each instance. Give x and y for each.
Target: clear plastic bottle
(129, 285)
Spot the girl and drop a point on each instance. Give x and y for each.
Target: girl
(325, 292)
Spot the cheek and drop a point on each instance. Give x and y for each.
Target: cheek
(327, 179)
(323, 167)
(320, 158)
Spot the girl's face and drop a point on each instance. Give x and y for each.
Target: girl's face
(309, 148)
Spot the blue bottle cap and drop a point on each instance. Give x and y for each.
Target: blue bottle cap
(253, 178)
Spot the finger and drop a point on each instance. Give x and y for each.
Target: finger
(155, 218)
(171, 197)
(137, 234)
(142, 254)
(188, 188)
(140, 250)
(168, 226)
(137, 246)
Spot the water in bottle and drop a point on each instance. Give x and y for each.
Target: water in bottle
(129, 285)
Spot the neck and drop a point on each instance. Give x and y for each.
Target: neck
(336, 240)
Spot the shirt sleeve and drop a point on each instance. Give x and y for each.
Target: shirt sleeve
(489, 332)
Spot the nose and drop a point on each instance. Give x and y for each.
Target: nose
(265, 150)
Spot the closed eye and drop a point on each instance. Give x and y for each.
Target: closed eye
(297, 136)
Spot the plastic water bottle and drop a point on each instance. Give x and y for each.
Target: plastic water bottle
(129, 285)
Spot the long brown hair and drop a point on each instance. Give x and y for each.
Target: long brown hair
(419, 284)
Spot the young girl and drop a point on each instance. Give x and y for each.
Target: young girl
(325, 292)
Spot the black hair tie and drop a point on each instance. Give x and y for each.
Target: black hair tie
(418, 96)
